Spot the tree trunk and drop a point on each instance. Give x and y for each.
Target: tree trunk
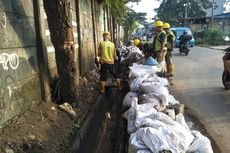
(61, 32)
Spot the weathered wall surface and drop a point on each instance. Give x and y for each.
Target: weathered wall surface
(19, 81)
(26, 48)
(87, 43)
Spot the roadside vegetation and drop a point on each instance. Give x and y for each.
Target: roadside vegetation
(211, 37)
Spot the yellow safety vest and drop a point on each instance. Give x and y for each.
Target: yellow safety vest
(158, 43)
(107, 52)
(169, 44)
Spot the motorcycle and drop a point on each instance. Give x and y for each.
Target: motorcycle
(184, 48)
(226, 73)
(184, 44)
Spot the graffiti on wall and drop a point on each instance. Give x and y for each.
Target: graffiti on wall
(9, 60)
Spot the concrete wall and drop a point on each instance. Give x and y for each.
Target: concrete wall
(27, 55)
(19, 74)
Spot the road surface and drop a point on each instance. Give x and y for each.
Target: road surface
(198, 85)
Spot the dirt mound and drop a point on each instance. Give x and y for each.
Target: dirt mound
(46, 128)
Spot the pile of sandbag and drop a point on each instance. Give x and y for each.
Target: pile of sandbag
(152, 123)
(132, 54)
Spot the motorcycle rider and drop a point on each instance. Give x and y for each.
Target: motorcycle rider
(170, 44)
(184, 39)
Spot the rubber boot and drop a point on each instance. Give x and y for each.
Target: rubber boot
(170, 69)
(118, 84)
(102, 87)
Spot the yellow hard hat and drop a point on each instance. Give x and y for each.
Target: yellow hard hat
(166, 25)
(158, 24)
(136, 42)
(106, 33)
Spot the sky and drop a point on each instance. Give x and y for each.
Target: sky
(146, 6)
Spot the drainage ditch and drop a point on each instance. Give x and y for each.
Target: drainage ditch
(106, 130)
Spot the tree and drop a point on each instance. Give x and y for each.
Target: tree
(173, 11)
(131, 20)
(61, 33)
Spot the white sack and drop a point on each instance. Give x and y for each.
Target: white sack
(137, 70)
(201, 144)
(143, 111)
(180, 119)
(132, 117)
(183, 135)
(135, 144)
(154, 78)
(136, 83)
(170, 113)
(152, 87)
(153, 139)
(127, 101)
(152, 98)
(144, 151)
(176, 141)
(160, 91)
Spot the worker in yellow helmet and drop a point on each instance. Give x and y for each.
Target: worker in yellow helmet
(160, 41)
(137, 43)
(170, 44)
(107, 54)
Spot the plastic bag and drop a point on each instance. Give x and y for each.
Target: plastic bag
(149, 98)
(201, 144)
(137, 70)
(135, 144)
(136, 83)
(150, 61)
(157, 80)
(180, 119)
(151, 87)
(170, 113)
(127, 101)
(132, 117)
(144, 151)
(177, 137)
(152, 98)
(160, 91)
(153, 139)
(184, 135)
(143, 111)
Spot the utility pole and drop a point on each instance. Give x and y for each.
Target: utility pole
(185, 12)
(186, 5)
(212, 22)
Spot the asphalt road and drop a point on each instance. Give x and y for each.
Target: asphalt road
(198, 85)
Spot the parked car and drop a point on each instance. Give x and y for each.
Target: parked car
(178, 31)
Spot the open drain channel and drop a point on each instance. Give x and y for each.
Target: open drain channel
(108, 133)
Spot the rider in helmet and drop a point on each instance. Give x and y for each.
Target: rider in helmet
(183, 39)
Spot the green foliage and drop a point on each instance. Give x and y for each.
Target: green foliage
(211, 37)
(173, 11)
(123, 15)
(131, 20)
(117, 8)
